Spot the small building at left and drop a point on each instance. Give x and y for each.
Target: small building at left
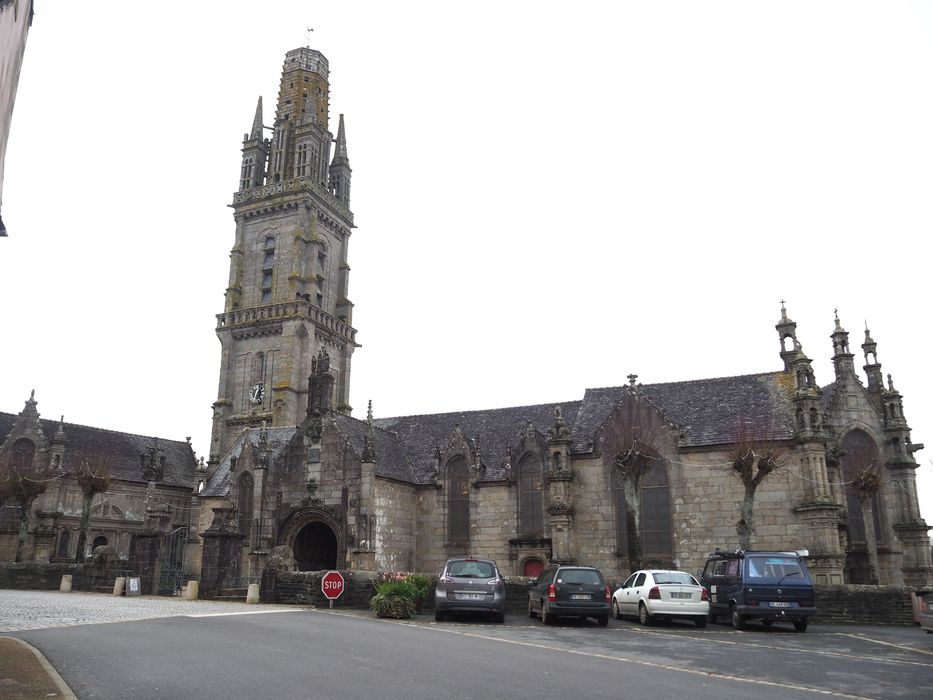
(68, 489)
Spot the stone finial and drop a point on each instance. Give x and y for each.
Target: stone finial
(340, 152)
(59, 435)
(152, 462)
(369, 438)
(890, 383)
(256, 132)
(558, 431)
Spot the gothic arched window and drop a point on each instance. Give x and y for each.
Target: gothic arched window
(859, 452)
(656, 539)
(24, 451)
(458, 502)
(244, 504)
(530, 496)
(656, 536)
(259, 368)
(268, 262)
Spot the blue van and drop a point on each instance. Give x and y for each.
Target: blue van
(767, 586)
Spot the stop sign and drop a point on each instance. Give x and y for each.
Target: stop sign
(332, 585)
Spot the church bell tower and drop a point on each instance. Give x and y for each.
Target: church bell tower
(286, 299)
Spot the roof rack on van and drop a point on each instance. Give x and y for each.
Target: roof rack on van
(740, 553)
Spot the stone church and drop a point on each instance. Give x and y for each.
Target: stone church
(293, 477)
(289, 467)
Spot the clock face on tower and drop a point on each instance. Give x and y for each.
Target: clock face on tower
(256, 393)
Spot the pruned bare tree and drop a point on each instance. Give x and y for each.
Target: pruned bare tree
(24, 476)
(753, 457)
(93, 476)
(629, 439)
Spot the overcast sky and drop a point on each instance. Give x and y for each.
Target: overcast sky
(549, 196)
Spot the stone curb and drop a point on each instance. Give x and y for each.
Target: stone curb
(32, 667)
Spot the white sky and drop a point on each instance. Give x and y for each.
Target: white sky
(549, 196)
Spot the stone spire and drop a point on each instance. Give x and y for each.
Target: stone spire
(369, 439)
(787, 332)
(807, 394)
(842, 358)
(340, 167)
(256, 132)
(255, 153)
(872, 366)
(340, 152)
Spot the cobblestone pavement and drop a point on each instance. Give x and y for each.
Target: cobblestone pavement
(31, 610)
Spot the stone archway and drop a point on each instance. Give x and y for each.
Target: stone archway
(316, 538)
(315, 547)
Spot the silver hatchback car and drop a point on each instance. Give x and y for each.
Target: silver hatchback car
(469, 585)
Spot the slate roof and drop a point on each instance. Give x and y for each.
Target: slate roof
(707, 411)
(391, 460)
(218, 483)
(121, 449)
(497, 428)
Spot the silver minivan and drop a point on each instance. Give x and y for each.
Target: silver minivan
(469, 585)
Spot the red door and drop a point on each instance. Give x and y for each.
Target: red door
(533, 567)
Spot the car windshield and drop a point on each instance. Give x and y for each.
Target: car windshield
(776, 569)
(471, 569)
(587, 576)
(674, 577)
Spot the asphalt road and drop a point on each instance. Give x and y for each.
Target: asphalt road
(301, 653)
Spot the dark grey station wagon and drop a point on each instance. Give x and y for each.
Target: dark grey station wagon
(569, 591)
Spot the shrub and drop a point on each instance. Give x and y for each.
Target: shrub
(397, 589)
(394, 599)
(421, 583)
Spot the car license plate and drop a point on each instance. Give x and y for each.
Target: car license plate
(681, 596)
(780, 605)
(470, 596)
(579, 597)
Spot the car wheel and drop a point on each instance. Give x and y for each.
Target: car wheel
(546, 617)
(438, 616)
(644, 617)
(603, 620)
(700, 622)
(498, 618)
(531, 611)
(737, 620)
(801, 624)
(615, 609)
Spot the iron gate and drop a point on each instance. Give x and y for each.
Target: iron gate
(172, 576)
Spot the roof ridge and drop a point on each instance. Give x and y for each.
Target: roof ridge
(548, 404)
(691, 381)
(52, 422)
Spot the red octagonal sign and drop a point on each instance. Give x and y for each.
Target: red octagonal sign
(332, 585)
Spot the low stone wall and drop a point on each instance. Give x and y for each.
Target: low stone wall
(44, 576)
(304, 588)
(866, 605)
(39, 576)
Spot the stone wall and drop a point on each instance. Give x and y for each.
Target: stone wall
(43, 576)
(304, 588)
(490, 533)
(875, 605)
(394, 531)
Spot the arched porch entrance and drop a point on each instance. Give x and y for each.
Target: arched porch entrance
(315, 547)
(316, 539)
